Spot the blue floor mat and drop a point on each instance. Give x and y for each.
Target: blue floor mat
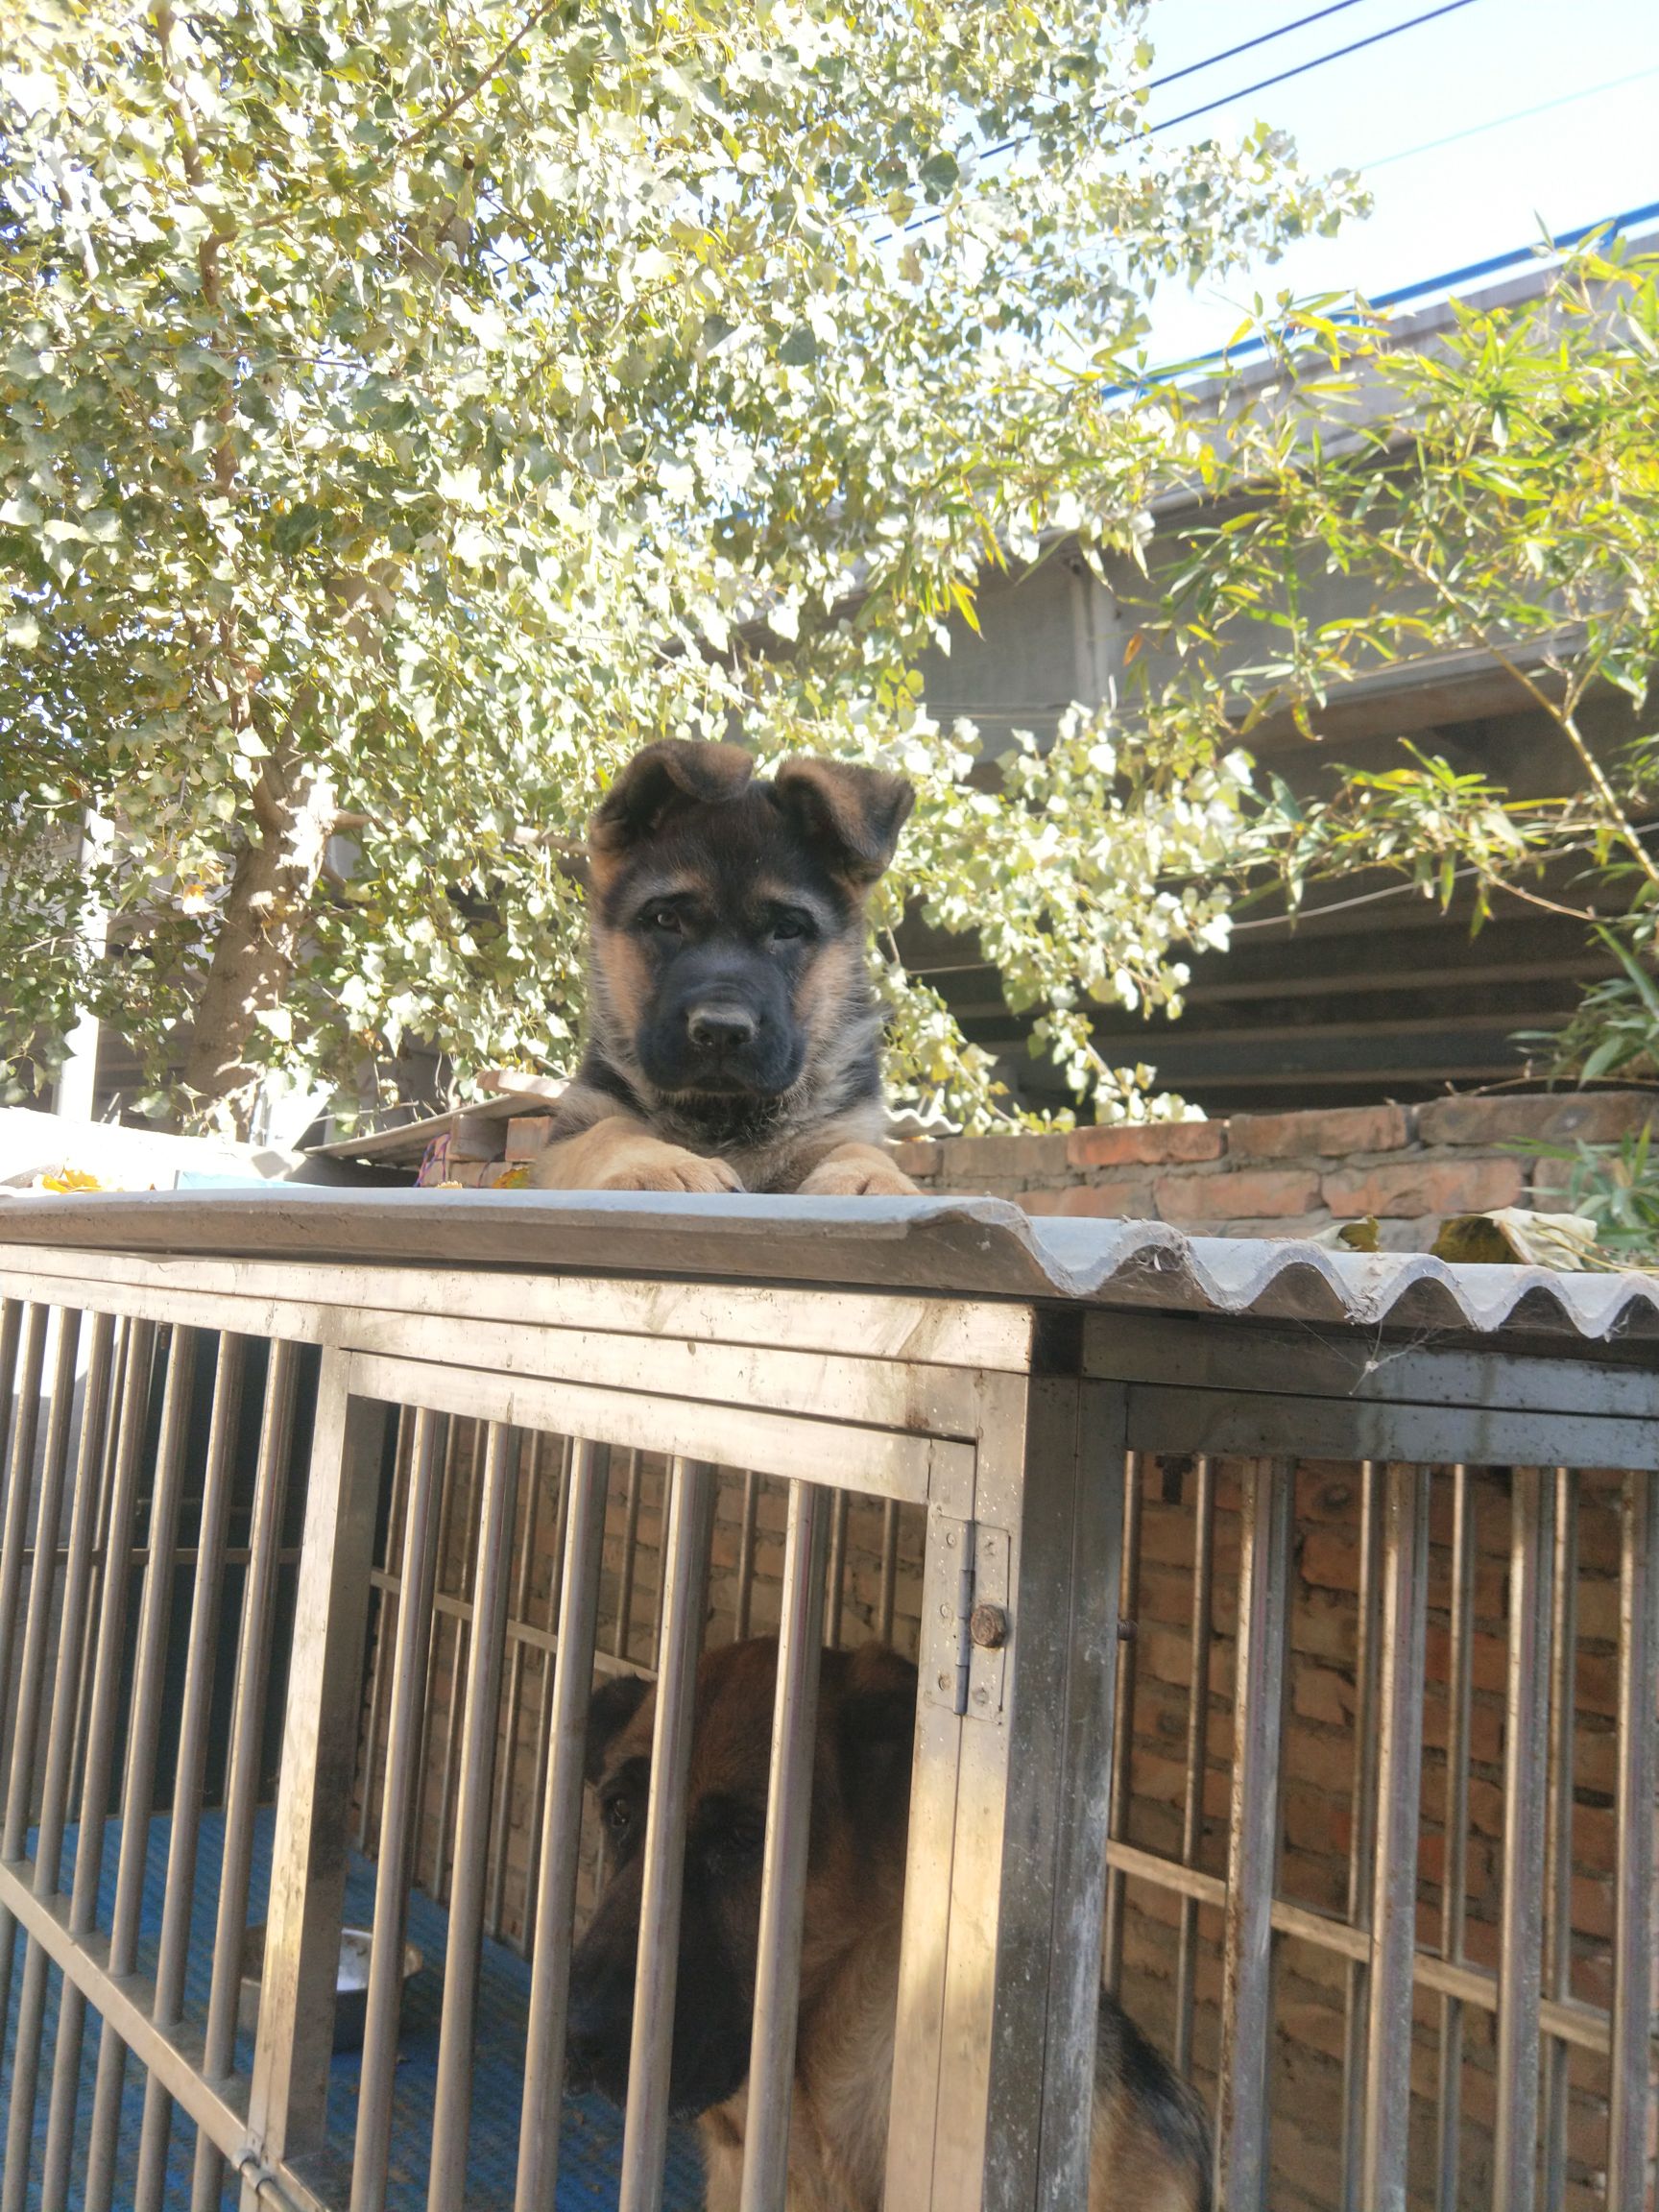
(590, 2142)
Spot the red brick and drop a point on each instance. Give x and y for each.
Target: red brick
(1019, 1159)
(1341, 1129)
(1151, 1144)
(1416, 1188)
(1262, 1193)
(527, 1136)
(1120, 1197)
(919, 1157)
(1598, 1116)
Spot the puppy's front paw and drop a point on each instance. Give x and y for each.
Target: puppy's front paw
(866, 1176)
(649, 1166)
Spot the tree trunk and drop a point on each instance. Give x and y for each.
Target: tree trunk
(257, 947)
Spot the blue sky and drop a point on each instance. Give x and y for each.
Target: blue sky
(1471, 191)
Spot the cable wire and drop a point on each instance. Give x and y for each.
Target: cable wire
(1226, 99)
(1284, 77)
(1246, 45)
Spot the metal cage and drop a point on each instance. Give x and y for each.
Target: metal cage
(323, 1511)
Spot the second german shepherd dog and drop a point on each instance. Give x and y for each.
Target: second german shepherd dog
(1150, 2144)
(732, 1030)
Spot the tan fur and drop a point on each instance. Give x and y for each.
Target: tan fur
(621, 1154)
(856, 1171)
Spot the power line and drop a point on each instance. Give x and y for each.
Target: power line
(1246, 46)
(1226, 99)
(1497, 122)
(1337, 53)
(1195, 69)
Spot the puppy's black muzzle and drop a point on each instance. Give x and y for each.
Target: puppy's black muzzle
(721, 1022)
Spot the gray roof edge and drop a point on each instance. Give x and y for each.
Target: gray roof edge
(955, 1247)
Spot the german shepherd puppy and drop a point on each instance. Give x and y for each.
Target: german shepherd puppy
(1150, 2148)
(733, 1034)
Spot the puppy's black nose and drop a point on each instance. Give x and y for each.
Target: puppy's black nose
(720, 1029)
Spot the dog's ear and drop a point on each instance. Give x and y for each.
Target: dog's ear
(877, 1728)
(658, 781)
(852, 816)
(610, 1709)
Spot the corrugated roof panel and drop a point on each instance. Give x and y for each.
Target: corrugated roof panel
(963, 1247)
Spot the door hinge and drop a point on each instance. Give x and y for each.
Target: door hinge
(966, 1625)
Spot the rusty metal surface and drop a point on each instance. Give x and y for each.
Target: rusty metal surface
(980, 1247)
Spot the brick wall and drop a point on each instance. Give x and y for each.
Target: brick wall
(1292, 1174)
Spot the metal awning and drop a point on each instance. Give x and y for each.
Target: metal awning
(965, 1247)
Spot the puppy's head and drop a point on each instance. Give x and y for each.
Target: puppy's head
(727, 912)
(860, 1796)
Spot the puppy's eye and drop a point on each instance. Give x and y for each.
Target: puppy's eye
(790, 925)
(618, 1817)
(661, 918)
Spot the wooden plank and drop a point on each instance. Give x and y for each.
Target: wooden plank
(1214, 1353)
(882, 1325)
(1183, 1420)
(839, 1453)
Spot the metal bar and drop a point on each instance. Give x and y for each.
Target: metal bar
(659, 1616)
(561, 1515)
(452, 2096)
(190, 1769)
(783, 1878)
(45, 1921)
(461, 1651)
(1632, 2088)
(888, 1599)
(42, 1569)
(143, 1727)
(1582, 2025)
(429, 1702)
(837, 1567)
(1525, 1776)
(519, 1606)
(102, 1717)
(1558, 1832)
(26, 1727)
(630, 1542)
(746, 1555)
(20, 1487)
(1393, 1917)
(1253, 1837)
(1197, 1744)
(95, 1420)
(288, 2097)
(691, 1486)
(1362, 1841)
(11, 1329)
(383, 1623)
(1123, 1717)
(561, 1825)
(549, 1647)
(247, 1728)
(42, 1576)
(1454, 1891)
(399, 1804)
(105, 1485)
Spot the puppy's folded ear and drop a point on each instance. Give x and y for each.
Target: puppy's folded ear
(659, 779)
(851, 815)
(611, 1707)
